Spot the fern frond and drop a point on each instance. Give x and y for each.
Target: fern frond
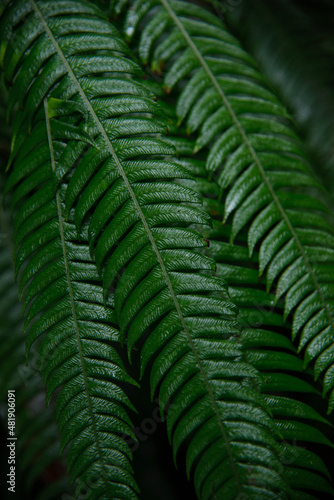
(256, 157)
(296, 53)
(78, 359)
(121, 183)
(284, 382)
(266, 339)
(63, 305)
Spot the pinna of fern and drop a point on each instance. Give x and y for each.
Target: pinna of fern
(123, 192)
(255, 156)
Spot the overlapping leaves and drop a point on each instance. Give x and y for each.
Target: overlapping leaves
(63, 303)
(120, 182)
(301, 67)
(266, 340)
(35, 425)
(256, 158)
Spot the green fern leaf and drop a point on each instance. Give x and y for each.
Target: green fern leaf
(63, 304)
(257, 159)
(266, 341)
(300, 67)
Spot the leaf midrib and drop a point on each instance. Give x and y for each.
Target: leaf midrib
(149, 234)
(257, 160)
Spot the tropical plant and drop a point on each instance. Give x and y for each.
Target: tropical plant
(161, 225)
(293, 42)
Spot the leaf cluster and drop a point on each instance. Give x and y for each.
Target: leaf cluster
(164, 204)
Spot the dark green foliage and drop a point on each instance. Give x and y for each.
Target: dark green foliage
(266, 337)
(35, 426)
(63, 301)
(115, 248)
(225, 100)
(294, 43)
(144, 219)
